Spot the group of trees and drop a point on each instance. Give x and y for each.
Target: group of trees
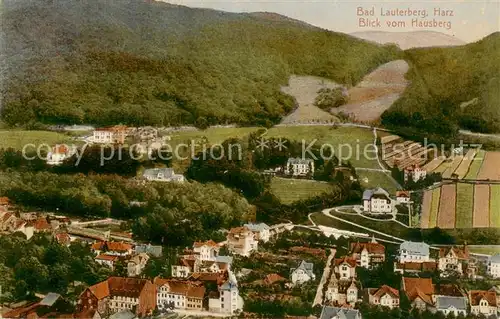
(41, 265)
(328, 98)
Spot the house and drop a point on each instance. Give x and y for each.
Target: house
(112, 248)
(110, 135)
(415, 267)
(419, 292)
(207, 250)
(494, 266)
(345, 268)
(162, 175)
(413, 252)
(226, 299)
(107, 260)
(185, 267)
(261, 231)
(367, 255)
(59, 154)
(51, 305)
(136, 264)
(483, 303)
(299, 166)
(339, 313)
(40, 225)
(384, 296)
(456, 259)
(303, 273)
(213, 266)
(454, 305)
(403, 197)
(342, 292)
(117, 293)
(241, 241)
(377, 201)
(63, 238)
(179, 294)
(155, 251)
(415, 173)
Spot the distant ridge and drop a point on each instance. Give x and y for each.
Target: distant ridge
(413, 39)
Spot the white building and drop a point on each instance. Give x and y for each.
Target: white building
(110, 135)
(261, 231)
(303, 273)
(162, 175)
(136, 264)
(207, 251)
(377, 201)
(178, 294)
(341, 292)
(415, 173)
(241, 241)
(384, 296)
(107, 260)
(299, 167)
(59, 154)
(494, 266)
(403, 197)
(339, 313)
(345, 268)
(483, 303)
(413, 252)
(227, 300)
(453, 305)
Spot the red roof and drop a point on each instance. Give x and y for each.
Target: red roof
(186, 288)
(418, 287)
(385, 290)
(476, 296)
(209, 243)
(272, 278)
(112, 246)
(423, 266)
(402, 194)
(460, 252)
(350, 261)
(118, 286)
(373, 248)
(41, 224)
(63, 238)
(4, 201)
(60, 149)
(107, 257)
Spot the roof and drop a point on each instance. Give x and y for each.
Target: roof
(50, 299)
(372, 248)
(418, 287)
(379, 292)
(219, 278)
(4, 200)
(369, 193)
(224, 259)
(41, 224)
(298, 160)
(209, 243)
(402, 194)
(340, 313)
(415, 248)
(257, 227)
(156, 251)
(460, 252)
(449, 290)
(272, 278)
(100, 290)
(423, 266)
(63, 238)
(112, 128)
(477, 295)
(107, 257)
(306, 267)
(350, 261)
(60, 149)
(118, 286)
(112, 246)
(167, 172)
(239, 230)
(495, 258)
(445, 302)
(182, 287)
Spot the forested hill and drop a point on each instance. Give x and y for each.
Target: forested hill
(145, 62)
(451, 88)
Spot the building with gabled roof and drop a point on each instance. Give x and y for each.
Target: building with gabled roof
(384, 296)
(367, 254)
(377, 201)
(207, 250)
(415, 267)
(107, 260)
(179, 294)
(112, 248)
(456, 259)
(403, 197)
(162, 175)
(153, 250)
(451, 305)
(494, 266)
(410, 251)
(118, 293)
(345, 268)
(419, 292)
(241, 241)
(110, 135)
(483, 303)
(303, 273)
(299, 166)
(339, 313)
(261, 231)
(342, 292)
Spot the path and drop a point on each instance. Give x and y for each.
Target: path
(380, 163)
(318, 300)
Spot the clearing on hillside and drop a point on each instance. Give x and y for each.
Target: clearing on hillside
(289, 190)
(377, 92)
(374, 179)
(305, 90)
(447, 205)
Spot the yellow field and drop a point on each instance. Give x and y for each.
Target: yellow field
(17, 139)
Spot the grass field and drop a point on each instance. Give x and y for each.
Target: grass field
(487, 250)
(344, 140)
(436, 194)
(476, 165)
(377, 179)
(465, 205)
(453, 167)
(292, 190)
(17, 139)
(213, 135)
(494, 205)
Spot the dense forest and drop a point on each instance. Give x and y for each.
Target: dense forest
(451, 88)
(152, 63)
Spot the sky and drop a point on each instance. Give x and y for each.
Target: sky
(468, 20)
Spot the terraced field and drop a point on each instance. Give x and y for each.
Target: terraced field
(475, 165)
(426, 210)
(481, 206)
(490, 168)
(447, 206)
(436, 195)
(465, 205)
(494, 201)
(463, 168)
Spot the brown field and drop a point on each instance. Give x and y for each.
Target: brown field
(481, 217)
(490, 168)
(435, 163)
(446, 216)
(453, 167)
(463, 168)
(426, 209)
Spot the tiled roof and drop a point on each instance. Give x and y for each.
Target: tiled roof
(181, 287)
(272, 278)
(373, 248)
(416, 266)
(402, 194)
(100, 290)
(4, 201)
(350, 261)
(341, 313)
(476, 296)
(306, 267)
(369, 193)
(418, 287)
(449, 290)
(445, 302)
(257, 227)
(41, 224)
(209, 243)
(460, 252)
(118, 286)
(63, 238)
(107, 257)
(218, 278)
(239, 230)
(112, 246)
(385, 290)
(415, 248)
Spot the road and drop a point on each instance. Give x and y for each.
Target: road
(318, 299)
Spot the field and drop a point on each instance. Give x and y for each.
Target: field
(465, 205)
(490, 168)
(476, 165)
(463, 168)
(448, 173)
(292, 190)
(477, 206)
(344, 140)
(373, 179)
(17, 139)
(404, 154)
